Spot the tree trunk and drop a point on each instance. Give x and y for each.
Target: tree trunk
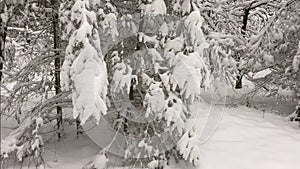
(79, 128)
(57, 62)
(245, 20)
(238, 83)
(3, 29)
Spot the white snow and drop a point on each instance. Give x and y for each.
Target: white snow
(153, 164)
(100, 161)
(186, 7)
(296, 60)
(189, 74)
(164, 30)
(90, 80)
(84, 31)
(286, 93)
(189, 147)
(156, 58)
(175, 113)
(156, 7)
(77, 10)
(154, 99)
(109, 24)
(268, 59)
(229, 63)
(246, 140)
(243, 140)
(121, 78)
(151, 39)
(175, 44)
(261, 74)
(194, 17)
(110, 7)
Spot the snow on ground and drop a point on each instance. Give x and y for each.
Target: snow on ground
(245, 139)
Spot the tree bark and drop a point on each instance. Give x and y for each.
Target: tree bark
(57, 61)
(244, 29)
(245, 20)
(238, 83)
(3, 30)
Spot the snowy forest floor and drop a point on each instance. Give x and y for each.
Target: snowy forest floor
(245, 139)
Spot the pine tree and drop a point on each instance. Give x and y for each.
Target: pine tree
(140, 65)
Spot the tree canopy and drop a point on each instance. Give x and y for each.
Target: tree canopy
(140, 65)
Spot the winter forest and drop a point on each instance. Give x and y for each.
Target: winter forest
(156, 84)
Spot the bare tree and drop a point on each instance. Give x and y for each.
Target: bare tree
(57, 62)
